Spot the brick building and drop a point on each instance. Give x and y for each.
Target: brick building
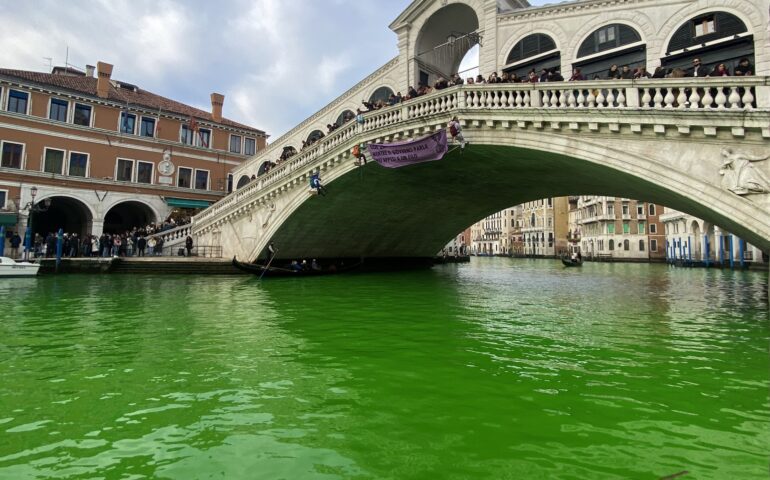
(90, 154)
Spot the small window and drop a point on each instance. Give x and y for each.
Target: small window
(186, 135)
(12, 155)
(611, 228)
(3, 198)
(626, 245)
(229, 183)
(626, 228)
(653, 228)
(18, 101)
(704, 26)
(184, 177)
(147, 127)
(625, 209)
(249, 146)
(641, 228)
(235, 143)
(144, 172)
(53, 161)
(651, 209)
(641, 245)
(125, 170)
(612, 245)
(127, 123)
(78, 164)
(82, 115)
(640, 210)
(653, 245)
(58, 110)
(204, 137)
(610, 209)
(201, 179)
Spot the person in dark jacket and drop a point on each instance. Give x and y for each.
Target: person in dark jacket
(188, 245)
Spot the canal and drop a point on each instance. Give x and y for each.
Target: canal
(495, 369)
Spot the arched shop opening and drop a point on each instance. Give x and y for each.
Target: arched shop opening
(345, 117)
(69, 214)
(381, 94)
(714, 37)
(537, 51)
(612, 44)
(244, 180)
(127, 215)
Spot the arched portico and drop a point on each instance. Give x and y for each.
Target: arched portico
(124, 216)
(64, 212)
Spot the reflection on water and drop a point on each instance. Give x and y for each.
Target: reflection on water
(496, 369)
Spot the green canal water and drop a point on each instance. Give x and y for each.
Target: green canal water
(501, 369)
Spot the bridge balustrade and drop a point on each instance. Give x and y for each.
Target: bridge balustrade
(693, 94)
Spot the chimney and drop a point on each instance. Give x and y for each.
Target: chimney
(90, 70)
(217, 100)
(104, 72)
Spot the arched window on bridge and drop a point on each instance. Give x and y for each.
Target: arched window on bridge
(536, 51)
(714, 37)
(345, 117)
(611, 44)
(242, 182)
(314, 136)
(381, 94)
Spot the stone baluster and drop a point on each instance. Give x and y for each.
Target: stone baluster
(621, 98)
(563, 98)
(546, 99)
(611, 98)
(591, 100)
(721, 98)
(581, 99)
(707, 99)
(681, 100)
(748, 99)
(571, 100)
(734, 98)
(528, 100)
(647, 98)
(668, 101)
(519, 99)
(554, 99)
(694, 98)
(600, 99)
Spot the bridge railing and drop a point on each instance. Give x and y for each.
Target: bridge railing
(702, 94)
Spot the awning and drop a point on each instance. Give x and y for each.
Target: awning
(186, 203)
(8, 219)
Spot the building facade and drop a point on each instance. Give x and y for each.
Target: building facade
(614, 228)
(89, 154)
(691, 240)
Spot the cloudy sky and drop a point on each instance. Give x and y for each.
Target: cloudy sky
(276, 61)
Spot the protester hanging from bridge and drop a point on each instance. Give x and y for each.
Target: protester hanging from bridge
(315, 184)
(358, 152)
(455, 129)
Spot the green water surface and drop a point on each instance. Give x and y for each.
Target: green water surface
(501, 369)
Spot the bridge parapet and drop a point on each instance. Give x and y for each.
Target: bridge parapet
(679, 105)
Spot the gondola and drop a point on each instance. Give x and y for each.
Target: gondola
(568, 262)
(271, 271)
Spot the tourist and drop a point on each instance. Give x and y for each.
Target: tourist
(151, 246)
(721, 70)
(456, 131)
(314, 266)
(613, 73)
(660, 72)
(271, 250)
(141, 245)
(15, 242)
(576, 76)
(188, 245)
(698, 70)
(744, 68)
(358, 153)
(642, 73)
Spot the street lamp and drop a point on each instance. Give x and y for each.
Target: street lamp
(32, 208)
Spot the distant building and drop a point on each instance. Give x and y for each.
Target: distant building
(544, 227)
(692, 240)
(105, 155)
(613, 228)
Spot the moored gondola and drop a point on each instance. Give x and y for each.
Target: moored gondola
(298, 271)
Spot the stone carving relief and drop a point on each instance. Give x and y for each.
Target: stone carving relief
(740, 175)
(270, 211)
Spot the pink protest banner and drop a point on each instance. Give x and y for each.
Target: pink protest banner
(400, 154)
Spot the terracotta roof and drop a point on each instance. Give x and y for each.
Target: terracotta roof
(143, 98)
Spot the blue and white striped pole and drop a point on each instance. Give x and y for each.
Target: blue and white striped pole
(708, 249)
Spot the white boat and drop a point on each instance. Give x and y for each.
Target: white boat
(11, 268)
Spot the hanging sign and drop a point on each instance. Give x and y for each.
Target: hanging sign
(400, 154)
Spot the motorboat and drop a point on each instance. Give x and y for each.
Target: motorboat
(11, 268)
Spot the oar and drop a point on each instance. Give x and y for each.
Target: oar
(268, 264)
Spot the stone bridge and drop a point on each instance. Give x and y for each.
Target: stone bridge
(698, 145)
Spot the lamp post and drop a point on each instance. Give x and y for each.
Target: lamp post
(32, 208)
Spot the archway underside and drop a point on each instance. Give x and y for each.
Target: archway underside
(413, 211)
